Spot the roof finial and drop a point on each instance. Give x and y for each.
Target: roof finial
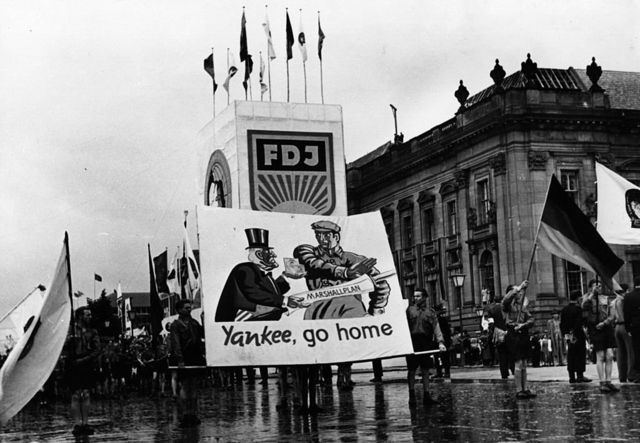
(594, 72)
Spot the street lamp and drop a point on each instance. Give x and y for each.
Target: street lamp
(458, 281)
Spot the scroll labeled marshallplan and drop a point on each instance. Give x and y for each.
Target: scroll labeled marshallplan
(298, 289)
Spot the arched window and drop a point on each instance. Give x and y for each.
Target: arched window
(486, 271)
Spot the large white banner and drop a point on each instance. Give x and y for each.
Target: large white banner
(618, 208)
(298, 289)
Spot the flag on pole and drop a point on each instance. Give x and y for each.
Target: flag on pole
(192, 282)
(263, 86)
(208, 66)
(267, 30)
(161, 264)
(566, 232)
(248, 69)
(155, 306)
(244, 49)
(97, 277)
(320, 38)
(290, 39)
(173, 280)
(618, 208)
(33, 358)
(232, 71)
(302, 42)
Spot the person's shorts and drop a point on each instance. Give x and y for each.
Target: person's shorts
(602, 339)
(82, 375)
(517, 344)
(424, 361)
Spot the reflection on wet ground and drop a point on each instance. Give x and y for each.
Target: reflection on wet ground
(468, 412)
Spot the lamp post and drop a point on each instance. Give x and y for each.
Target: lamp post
(458, 281)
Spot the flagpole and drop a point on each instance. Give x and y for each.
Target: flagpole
(260, 73)
(229, 88)
(73, 322)
(321, 81)
(268, 52)
(535, 239)
(304, 63)
(288, 96)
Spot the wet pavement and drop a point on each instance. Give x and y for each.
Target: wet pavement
(475, 406)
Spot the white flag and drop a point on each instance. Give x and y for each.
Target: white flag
(302, 42)
(618, 208)
(192, 285)
(232, 71)
(173, 277)
(34, 357)
(267, 30)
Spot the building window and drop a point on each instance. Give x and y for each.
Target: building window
(486, 272)
(407, 231)
(484, 201)
(451, 218)
(575, 277)
(569, 181)
(428, 226)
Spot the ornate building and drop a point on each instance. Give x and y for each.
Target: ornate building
(465, 197)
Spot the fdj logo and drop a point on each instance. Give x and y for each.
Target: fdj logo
(291, 172)
(289, 155)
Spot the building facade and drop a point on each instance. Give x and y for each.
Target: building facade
(465, 197)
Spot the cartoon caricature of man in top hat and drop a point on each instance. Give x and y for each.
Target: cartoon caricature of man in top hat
(251, 293)
(632, 197)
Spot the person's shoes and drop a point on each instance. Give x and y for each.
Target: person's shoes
(376, 380)
(583, 380)
(572, 380)
(605, 388)
(77, 430)
(530, 394)
(612, 387)
(521, 395)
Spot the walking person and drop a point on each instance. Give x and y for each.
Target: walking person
(425, 336)
(494, 311)
(82, 370)
(186, 345)
(443, 362)
(600, 333)
(571, 326)
(518, 320)
(625, 358)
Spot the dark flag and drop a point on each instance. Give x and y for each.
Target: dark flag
(244, 49)
(160, 264)
(248, 69)
(566, 232)
(320, 39)
(290, 39)
(155, 306)
(208, 66)
(97, 277)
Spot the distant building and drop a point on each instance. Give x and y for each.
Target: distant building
(465, 197)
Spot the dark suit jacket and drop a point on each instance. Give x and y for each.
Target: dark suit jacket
(246, 287)
(631, 310)
(572, 320)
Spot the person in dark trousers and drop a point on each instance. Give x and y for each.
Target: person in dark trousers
(377, 370)
(494, 311)
(571, 327)
(425, 336)
(186, 343)
(631, 314)
(443, 363)
(84, 350)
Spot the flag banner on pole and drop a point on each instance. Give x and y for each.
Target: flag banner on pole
(302, 42)
(33, 358)
(192, 281)
(173, 282)
(248, 69)
(267, 30)
(161, 267)
(263, 86)
(298, 289)
(320, 39)
(244, 49)
(12, 324)
(208, 66)
(290, 39)
(566, 232)
(618, 208)
(97, 277)
(232, 71)
(155, 307)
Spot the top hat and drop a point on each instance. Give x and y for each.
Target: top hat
(258, 238)
(325, 226)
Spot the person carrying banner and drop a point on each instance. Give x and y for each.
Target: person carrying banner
(84, 350)
(494, 311)
(600, 333)
(328, 265)
(186, 345)
(425, 336)
(250, 292)
(518, 321)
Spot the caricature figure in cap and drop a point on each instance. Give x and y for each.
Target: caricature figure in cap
(327, 264)
(251, 293)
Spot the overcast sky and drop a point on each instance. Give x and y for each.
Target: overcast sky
(100, 101)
